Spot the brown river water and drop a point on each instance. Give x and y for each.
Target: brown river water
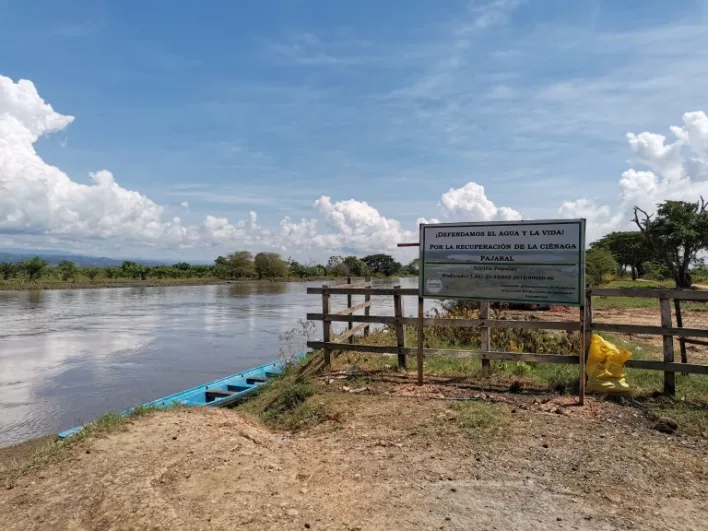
(67, 356)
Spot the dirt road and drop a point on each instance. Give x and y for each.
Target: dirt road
(395, 462)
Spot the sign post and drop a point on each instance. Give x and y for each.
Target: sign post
(534, 262)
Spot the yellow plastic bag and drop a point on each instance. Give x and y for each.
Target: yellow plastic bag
(604, 367)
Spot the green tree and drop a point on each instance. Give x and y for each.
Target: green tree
(676, 234)
(241, 263)
(382, 264)
(34, 267)
(356, 267)
(598, 262)
(130, 269)
(270, 265)
(222, 268)
(91, 272)
(629, 248)
(67, 269)
(184, 268)
(413, 268)
(8, 270)
(111, 272)
(337, 267)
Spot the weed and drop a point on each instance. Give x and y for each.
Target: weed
(288, 403)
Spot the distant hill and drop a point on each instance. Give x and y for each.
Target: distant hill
(54, 257)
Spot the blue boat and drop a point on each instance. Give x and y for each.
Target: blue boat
(220, 392)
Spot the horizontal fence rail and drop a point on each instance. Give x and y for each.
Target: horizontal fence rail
(584, 325)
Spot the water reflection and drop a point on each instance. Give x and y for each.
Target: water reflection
(68, 355)
(35, 297)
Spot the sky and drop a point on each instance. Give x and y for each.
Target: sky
(192, 129)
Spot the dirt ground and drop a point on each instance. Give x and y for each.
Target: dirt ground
(639, 316)
(404, 458)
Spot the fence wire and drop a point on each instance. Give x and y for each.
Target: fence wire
(692, 314)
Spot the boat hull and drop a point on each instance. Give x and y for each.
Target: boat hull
(221, 392)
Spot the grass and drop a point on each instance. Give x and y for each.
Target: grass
(289, 401)
(631, 302)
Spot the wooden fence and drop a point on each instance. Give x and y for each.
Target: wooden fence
(585, 325)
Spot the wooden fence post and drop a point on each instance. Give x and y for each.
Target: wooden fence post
(485, 337)
(581, 356)
(669, 376)
(421, 339)
(679, 324)
(367, 298)
(400, 332)
(349, 305)
(585, 342)
(326, 325)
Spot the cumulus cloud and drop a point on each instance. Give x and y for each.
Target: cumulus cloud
(37, 198)
(677, 171)
(470, 203)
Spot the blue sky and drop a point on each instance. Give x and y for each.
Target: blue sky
(266, 106)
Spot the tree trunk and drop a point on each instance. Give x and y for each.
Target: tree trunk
(634, 272)
(683, 278)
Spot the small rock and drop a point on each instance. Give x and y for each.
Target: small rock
(559, 519)
(174, 438)
(447, 518)
(307, 526)
(453, 489)
(357, 476)
(292, 512)
(545, 445)
(666, 426)
(558, 411)
(303, 491)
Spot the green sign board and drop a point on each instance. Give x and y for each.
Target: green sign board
(536, 262)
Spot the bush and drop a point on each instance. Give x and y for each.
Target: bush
(655, 271)
(599, 262)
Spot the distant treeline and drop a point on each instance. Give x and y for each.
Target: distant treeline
(243, 264)
(237, 265)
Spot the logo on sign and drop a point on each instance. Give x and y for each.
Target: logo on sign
(433, 285)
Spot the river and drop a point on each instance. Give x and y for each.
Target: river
(67, 356)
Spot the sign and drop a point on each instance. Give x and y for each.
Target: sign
(536, 262)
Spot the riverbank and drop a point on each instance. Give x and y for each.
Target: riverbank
(364, 447)
(25, 285)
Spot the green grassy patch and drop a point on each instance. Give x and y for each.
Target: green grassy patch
(631, 302)
(290, 401)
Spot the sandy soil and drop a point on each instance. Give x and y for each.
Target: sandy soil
(397, 461)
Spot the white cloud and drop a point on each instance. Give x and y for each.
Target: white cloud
(470, 203)
(184, 204)
(37, 198)
(494, 13)
(676, 172)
